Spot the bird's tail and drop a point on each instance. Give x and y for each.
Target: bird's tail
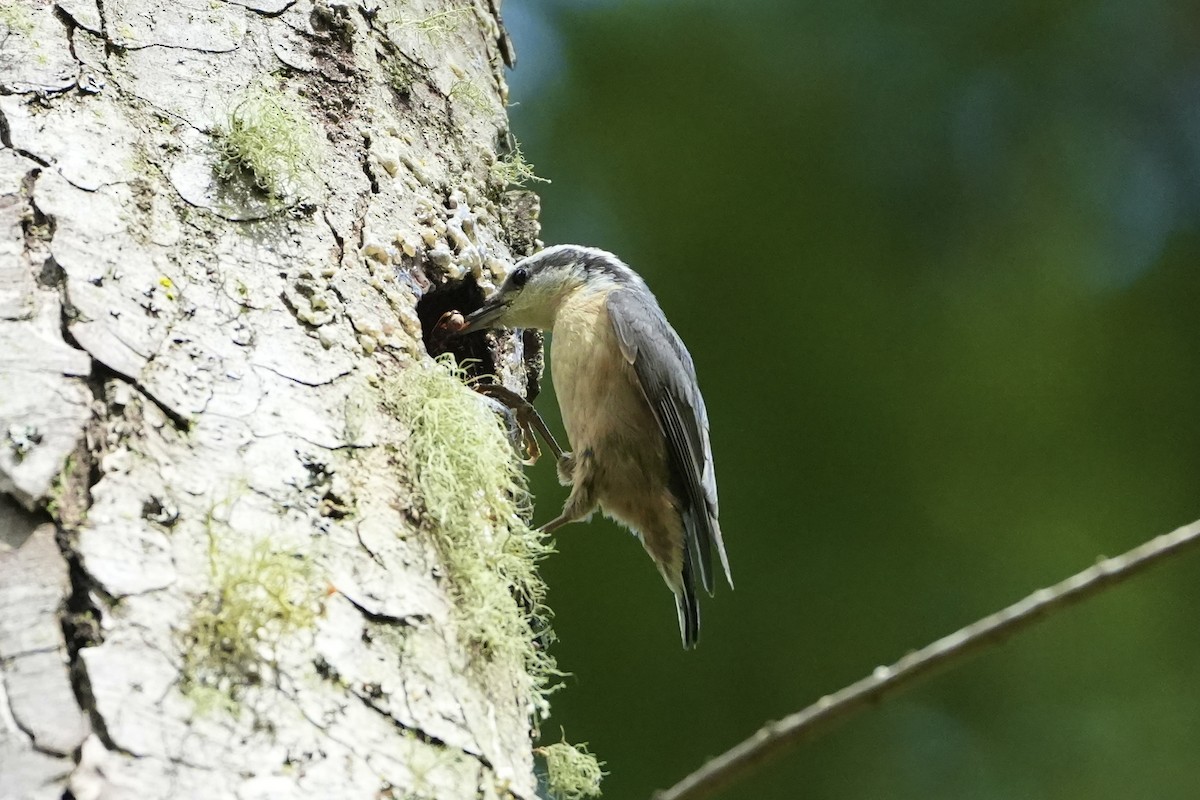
(687, 606)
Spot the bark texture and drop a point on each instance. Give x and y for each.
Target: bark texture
(190, 415)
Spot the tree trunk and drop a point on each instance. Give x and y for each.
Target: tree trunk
(221, 574)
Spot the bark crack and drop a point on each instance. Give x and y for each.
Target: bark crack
(181, 422)
(293, 378)
(365, 159)
(6, 140)
(327, 672)
(36, 651)
(38, 231)
(407, 621)
(70, 24)
(31, 735)
(421, 734)
(81, 625)
(109, 46)
(270, 14)
(337, 237)
(366, 697)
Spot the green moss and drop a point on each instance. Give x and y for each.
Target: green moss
(400, 75)
(16, 18)
(514, 170)
(56, 497)
(471, 96)
(476, 507)
(258, 597)
(268, 138)
(572, 773)
(436, 27)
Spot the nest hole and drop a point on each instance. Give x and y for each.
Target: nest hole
(475, 352)
(471, 351)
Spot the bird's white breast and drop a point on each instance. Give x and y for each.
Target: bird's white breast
(589, 374)
(602, 404)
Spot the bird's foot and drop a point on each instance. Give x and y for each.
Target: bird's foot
(565, 466)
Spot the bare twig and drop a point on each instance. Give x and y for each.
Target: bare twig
(775, 737)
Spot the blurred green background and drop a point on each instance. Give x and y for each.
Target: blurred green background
(938, 264)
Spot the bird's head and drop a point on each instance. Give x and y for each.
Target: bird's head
(536, 286)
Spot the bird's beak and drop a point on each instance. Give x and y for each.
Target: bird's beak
(487, 314)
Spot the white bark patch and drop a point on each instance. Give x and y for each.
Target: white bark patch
(114, 283)
(17, 284)
(36, 54)
(85, 13)
(43, 407)
(180, 82)
(33, 657)
(87, 141)
(185, 24)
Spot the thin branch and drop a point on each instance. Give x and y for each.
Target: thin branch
(775, 737)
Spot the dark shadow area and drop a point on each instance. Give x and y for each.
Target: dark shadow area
(472, 351)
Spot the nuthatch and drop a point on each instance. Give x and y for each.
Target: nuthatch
(631, 406)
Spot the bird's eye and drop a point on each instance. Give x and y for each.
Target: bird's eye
(519, 277)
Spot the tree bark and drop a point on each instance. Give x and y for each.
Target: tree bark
(191, 356)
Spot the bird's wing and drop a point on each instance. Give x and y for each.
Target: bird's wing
(668, 380)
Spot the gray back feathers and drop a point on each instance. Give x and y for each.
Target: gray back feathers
(668, 379)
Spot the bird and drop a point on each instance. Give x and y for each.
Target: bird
(631, 406)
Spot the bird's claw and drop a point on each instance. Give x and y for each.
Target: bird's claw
(528, 421)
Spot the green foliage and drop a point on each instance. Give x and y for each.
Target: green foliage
(268, 137)
(572, 773)
(477, 509)
(258, 597)
(970, 306)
